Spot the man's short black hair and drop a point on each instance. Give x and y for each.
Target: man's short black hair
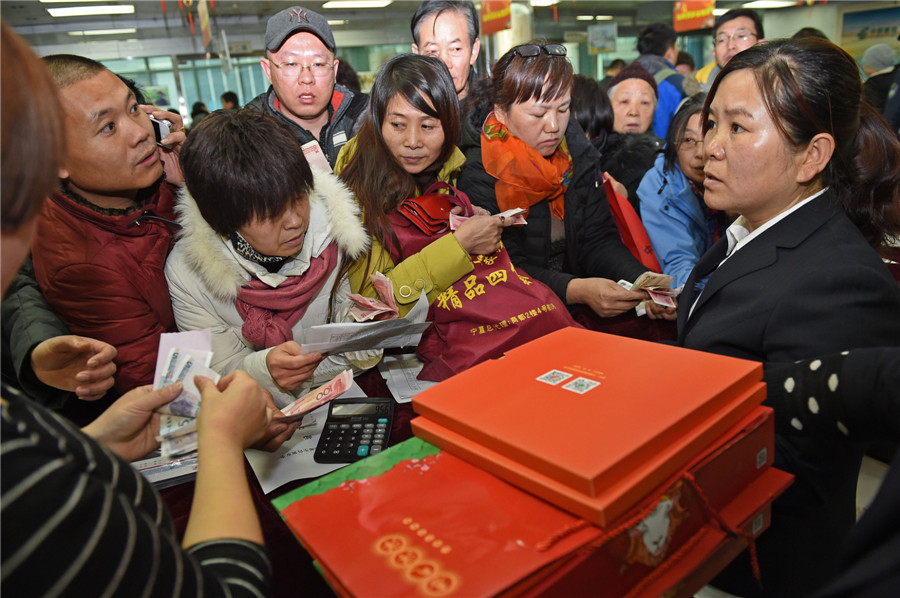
(656, 38)
(685, 58)
(241, 165)
(436, 7)
(741, 12)
(230, 96)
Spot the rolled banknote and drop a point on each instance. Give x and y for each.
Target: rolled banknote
(318, 397)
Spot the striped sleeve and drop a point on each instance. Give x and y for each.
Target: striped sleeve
(77, 520)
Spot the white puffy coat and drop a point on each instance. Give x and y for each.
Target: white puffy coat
(205, 274)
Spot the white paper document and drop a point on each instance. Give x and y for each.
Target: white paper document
(294, 459)
(359, 336)
(400, 371)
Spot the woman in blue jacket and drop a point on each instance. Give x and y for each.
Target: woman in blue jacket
(680, 226)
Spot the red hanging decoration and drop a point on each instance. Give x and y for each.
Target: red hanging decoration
(555, 15)
(191, 21)
(163, 4)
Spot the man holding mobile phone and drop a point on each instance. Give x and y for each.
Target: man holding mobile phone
(104, 235)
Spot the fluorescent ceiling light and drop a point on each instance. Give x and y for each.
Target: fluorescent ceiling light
(584, 18)
(760, 4)
(336, 22)
(604, 17)
(718, 12)
(104, 31)
(90, 11)
(357, 4)
(68, 1)
(543, 2)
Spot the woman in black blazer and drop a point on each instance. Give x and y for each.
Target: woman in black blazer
(815, 177)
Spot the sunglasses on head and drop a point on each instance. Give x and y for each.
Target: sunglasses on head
(532, 50)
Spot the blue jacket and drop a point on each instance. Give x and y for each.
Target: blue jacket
(675, 220)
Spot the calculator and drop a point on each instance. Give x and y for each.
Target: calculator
(355, 428)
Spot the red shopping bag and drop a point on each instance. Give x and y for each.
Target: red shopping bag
(632, 230)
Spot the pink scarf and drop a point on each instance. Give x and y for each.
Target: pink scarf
(270, 313)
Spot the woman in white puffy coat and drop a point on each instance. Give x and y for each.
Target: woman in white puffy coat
(261, 252)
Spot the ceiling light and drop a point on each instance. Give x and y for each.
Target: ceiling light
(604, 17)
(760, 4)
(543, 2)
(90, 11)
(584, 18)
(718, 12)
(337, 4)
(104, 31)
(336, 22)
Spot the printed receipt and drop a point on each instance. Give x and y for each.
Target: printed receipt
(360, 336)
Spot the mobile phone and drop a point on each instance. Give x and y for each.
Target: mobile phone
(356, 427)
(161, 128)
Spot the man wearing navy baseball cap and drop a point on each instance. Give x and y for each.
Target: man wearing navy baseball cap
(300, 64)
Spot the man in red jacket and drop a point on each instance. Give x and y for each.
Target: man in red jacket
(103, 237)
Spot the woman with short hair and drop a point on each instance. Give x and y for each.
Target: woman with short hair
(529, 154)
(259, 255)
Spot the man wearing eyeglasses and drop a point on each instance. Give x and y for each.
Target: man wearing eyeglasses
(734, 32)
(301, 67)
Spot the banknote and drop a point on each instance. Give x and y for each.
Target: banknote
(366, 309)
(385, 288)
(318, 397)
(179, 445)
(515, 213)
(175, 425)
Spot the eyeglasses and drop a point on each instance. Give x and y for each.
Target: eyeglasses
(293, 70)
(690, 143)
(741, 35)
(532, 50)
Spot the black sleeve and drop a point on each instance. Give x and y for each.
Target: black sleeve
(28, 320)
(854, 394)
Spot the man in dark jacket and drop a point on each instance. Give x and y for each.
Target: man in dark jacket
(301, 67)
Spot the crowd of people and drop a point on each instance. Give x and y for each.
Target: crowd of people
(771, 196)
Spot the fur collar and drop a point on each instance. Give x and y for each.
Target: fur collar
(208, 256)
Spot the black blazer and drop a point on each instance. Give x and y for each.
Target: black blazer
(806, 287)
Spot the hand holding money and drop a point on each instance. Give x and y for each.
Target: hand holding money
(239, 413)
(129, 426)
(278, 430)
(603, 296)
(661, 304)
(513, 216)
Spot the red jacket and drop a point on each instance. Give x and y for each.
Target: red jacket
(104, 276)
